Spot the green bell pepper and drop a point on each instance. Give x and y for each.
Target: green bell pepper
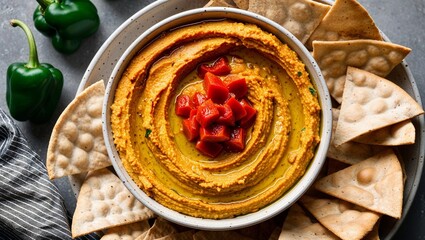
(68, 22)
(33, 89)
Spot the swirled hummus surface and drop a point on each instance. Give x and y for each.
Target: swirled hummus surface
(153, 149)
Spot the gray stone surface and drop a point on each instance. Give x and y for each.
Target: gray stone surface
(402, 21)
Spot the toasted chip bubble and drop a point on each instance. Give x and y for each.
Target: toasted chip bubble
(104, 202)
(345, 220)
(367, 184)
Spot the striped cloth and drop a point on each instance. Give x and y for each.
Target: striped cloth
(31, 206)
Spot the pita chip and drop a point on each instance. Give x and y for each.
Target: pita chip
(186, 235)
(126, 232)
(220, 3)
(346, 20)
(349, 152)
(300, 17)
(104, 202)
(242, 4)
(375, 184)
(370, 103)
(377, 57)
(346, 220)
(76, 144)
(298, 225)
(402, 133)
(219, 235)
(160, 228)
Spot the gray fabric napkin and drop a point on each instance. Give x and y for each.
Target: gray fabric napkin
(31, 206)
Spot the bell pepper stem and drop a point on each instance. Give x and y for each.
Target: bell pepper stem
(33, 56)
(45, 3)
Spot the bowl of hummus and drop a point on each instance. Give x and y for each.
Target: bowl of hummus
(217, 118)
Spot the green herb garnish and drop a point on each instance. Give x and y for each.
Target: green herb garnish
(147, 133)
(312, 91)
(299, 74)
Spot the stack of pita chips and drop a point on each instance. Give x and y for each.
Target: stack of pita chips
(77, 147)
(371, 116)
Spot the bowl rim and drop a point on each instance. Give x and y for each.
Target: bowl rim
(269, 211)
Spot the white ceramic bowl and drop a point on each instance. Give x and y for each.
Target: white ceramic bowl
(289, 197)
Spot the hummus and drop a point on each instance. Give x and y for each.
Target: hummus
(166, 166)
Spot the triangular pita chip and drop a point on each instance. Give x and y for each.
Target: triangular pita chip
(370, 103)
(375, 183)
(129, 231)
(242, 4)
(300, 17)
(374, 234)
(219, 235)
(398, 134)
(347, 221)
(298, 225)
(186, 235)
(346, 20)
(160, 228)
(76, 144)
(349, 152)
(333, 58)
(220, 3)
(104, 202)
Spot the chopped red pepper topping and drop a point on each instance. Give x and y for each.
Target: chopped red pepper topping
(236, 85)
(207, 113)
(219, 118)
(215, 88)
(236, 142)
(210, 149)
(183, 106)
(220, 67)
(214, 133)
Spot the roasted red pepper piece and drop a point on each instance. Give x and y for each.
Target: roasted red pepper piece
(251, 113)
(215, 88)
(210, 149)
(236, 142)
(214, 133)
(237, 108)
(220, 67)
(183, 106)
(207, 113)
(226, 115)
(198, 98)
(236, 85)
(191, 126)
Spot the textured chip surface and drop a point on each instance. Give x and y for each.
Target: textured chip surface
(104, 202)
(347, 19)
(375, 183)
(126, 232)
(76, 144)
(334, 57)
(299, 226)
(347, 221)
(300, 17)
(370, 103)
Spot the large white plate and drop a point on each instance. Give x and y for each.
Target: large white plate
(102, 65)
